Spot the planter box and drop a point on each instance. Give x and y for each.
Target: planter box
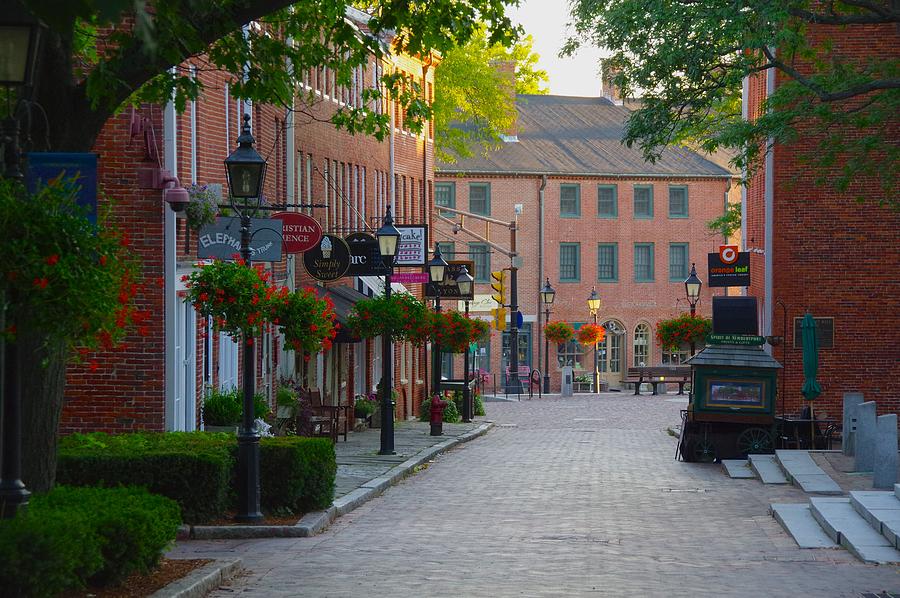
(230, 429)
(284, 412)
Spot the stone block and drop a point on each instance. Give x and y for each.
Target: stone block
(885, 467)
(851, 401)
(864, 449)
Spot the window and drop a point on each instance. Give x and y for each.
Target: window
(448, 249)
(675, 357)
(570, 201)
(643, 262)
(641, 345)
(608, 262)
(482, 360)
(479, 254)
(643, 201)
(445, 195)
(678, 260)
(569, 262)
(678, 202)
(607, 201)
(480, 198)
(570, 353)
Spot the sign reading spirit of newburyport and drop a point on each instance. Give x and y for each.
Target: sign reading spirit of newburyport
(329, 260)
(734, 339)
(365, 256)
(223, 239)
(301, 232)
(729, 267)
(449, 289)
(412, 250)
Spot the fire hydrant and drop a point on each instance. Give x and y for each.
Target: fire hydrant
(437, 415)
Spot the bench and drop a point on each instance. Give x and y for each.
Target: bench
(524, 375)
(656, 375)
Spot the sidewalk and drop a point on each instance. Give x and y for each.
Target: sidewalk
(362, 474)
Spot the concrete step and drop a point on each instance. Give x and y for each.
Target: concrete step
(897, 490)
(797, 520)
(738, 468)
(767, 468)
(844, 525)
(803, 472)
(881, 510)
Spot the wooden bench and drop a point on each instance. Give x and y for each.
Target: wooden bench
(656, 375)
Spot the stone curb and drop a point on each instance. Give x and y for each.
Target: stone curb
(316, 521)
(202, 581)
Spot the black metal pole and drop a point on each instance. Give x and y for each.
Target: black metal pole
(693, 312)
(387, 382)
(596, 360)
(546, 354)
(436, 349)
(248, 438)
(516, 386)
(467, 395)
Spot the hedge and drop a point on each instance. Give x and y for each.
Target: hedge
(71, 537)
(198, 469)
(451, 413)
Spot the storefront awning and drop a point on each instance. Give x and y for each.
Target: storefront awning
(344, 299)
(376, 285)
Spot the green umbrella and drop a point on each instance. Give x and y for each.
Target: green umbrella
(811, 388)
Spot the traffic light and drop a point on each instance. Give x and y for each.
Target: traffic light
(499, 314)
(499, 285)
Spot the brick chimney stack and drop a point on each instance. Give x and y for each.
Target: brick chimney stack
(608, 89)
(507, 69)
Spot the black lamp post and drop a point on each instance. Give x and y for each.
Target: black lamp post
(21, 35)
(547, 297)
(464, 281)
(594, 307)
(692, 288)
(388, 241)
(437, 269)
(246, 171)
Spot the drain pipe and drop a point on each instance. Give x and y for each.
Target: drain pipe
(540, 336)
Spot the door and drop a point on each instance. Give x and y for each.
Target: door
(184, 404)
(611, 356)
(524, 350)
(228, 363)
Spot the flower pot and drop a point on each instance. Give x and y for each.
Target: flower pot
(284, 412)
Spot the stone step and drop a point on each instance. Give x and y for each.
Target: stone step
(803, 472)
(897, 490)
(844, 525)
(738, 468)
(881, 510)
(767, 468)
(797, 520)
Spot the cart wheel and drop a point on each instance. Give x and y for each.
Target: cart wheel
(754, 441)
(703, 450)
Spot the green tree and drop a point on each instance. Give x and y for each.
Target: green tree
(101, 55)
(474, 101)
(688, 58)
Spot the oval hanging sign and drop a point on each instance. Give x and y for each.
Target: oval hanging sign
(328, 260)
(301, 232)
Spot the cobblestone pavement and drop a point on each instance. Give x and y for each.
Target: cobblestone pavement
(565, 497)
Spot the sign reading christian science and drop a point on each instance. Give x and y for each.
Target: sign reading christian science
(300, 232)
(328, 260)
(223, 239)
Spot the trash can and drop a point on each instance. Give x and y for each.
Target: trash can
(568, 379)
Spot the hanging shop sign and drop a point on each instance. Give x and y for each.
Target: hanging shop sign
(480, 302)
(222, 240)
(735, 339)
(301, 232)
(328, 260)
(410, 277)
(729, 267)
(80, 168)
(449, 289)
(365, 256)
(413, 247)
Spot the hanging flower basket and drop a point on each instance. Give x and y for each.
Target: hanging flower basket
(402, 316)
(454, 332)
(232, 295)
(307, 322)
(682, 330)
(559, 332)
(203, 207)
(591, 334)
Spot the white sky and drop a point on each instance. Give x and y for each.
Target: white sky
(546, 21)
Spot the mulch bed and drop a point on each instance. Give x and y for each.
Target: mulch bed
(228, 520)
(137, 585)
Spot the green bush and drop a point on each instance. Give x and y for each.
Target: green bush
(458, 400)
(296, 473)
(73, 536)
(225, 408)
(451, 413)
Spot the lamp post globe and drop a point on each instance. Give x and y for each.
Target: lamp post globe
(246, 169)
(464, 281)
(388, 237)
(437, 266)
(548, 294)
(692, 286)
(594, 306)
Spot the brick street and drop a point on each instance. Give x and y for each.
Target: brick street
(565, 497)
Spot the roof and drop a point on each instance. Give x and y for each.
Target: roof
(739, 356)
(578, 136)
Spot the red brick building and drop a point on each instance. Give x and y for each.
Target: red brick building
(816, 249)
(157, 381)
(590, 213)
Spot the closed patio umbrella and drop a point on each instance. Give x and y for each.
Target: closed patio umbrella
(811, 388)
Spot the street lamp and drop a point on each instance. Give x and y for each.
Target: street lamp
(547, 296)
(464, 282)
(437, 269)
(388, 240)
(594, 306)
(246, 171)
(19, 51)
(692, 288)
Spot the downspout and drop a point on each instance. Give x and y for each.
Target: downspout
(170, 156)
(768, 307)
(745, 111)
(540, 336)
(423, 352)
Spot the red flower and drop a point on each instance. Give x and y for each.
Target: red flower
(102, 260)
(52, 259)
(41, 283)
(204, 296)
(93, 366)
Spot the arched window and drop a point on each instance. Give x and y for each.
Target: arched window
(641, 345)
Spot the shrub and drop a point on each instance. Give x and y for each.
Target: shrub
(225, 408)
(451, 413)
(296, 473)
(458, 400)
(72, 536)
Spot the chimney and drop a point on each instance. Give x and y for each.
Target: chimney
(608, 88)
(507, 70)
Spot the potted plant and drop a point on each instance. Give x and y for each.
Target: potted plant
(559, 332)
(222, 410)
(285, 402)
(364, 406)
(203, 207)
(677, 332)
